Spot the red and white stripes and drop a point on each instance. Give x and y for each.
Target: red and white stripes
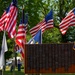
(11, 20)
(68, 21)
(43, 26)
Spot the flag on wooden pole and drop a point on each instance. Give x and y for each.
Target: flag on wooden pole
(21, 34)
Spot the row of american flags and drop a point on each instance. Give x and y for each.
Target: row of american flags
(8, 22)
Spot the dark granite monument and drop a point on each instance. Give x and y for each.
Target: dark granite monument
(50, 58)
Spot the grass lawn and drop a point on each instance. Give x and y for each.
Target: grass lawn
(7, 72)
(13, 73)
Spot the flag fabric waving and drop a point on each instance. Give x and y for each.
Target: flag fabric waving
(21, 34)
(68, 21)
(21, 37)
(37, 39)
(3, 50)
(1, 26)
(2, 58)
(3, 19)
(11, 19)
(47, 23)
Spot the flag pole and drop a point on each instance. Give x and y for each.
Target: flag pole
(24, 45)
(14, 60)
(3, 58)
(14, 55)
(1, 48)
(41, 36)
(4, 53)
(2, 67)
(41, 43)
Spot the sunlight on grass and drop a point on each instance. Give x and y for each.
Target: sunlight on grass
(7, 71)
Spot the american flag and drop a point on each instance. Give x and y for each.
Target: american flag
(21, 37)
(47, 23)
(21, 34)
(1, 26)
(68, 21)
(11, 19)
(3, 19)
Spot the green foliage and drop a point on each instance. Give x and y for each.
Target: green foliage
(12, 73)
(52, 36)
(70, 36)
(3, 5)
(8, 54)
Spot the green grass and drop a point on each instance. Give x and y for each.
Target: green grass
(13, 73)
(7, 71)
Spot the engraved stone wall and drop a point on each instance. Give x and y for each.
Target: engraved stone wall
(49, 58)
